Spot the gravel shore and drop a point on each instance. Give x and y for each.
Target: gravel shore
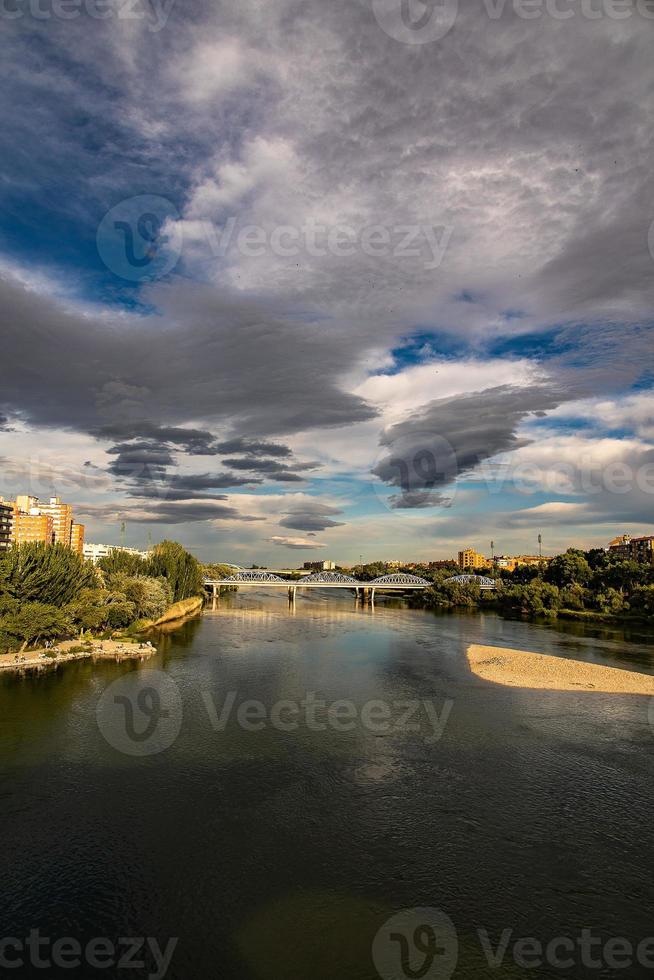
(109, 649)
(519, 668)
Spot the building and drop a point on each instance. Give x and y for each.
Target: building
(446, 563)
(320, 566)
(94, 552)
(51, 523)
(32, 528)
(469, 559)
(640, 549)
(504, 563)
(532, 559)
(62, 519)
(77, 538)
(6, 524)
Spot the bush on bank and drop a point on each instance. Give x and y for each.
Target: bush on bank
(578, 583)
(48, 592)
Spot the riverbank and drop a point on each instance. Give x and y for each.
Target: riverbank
(520, 668)
(122, 646)
(69, 650)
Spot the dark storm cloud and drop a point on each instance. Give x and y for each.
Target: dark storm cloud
(233, 367)
(143, 461)
(192, 486)
(252, 446)
(271, 468)
(449, 438)
(166, 512)
(311, 516)
(196, 442)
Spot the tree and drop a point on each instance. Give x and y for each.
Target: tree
(42, 573)
(150, 596)
(182, 571)
(36, 621)
(568, 569)
(123, 562)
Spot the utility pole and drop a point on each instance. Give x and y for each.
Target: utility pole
(540, 546)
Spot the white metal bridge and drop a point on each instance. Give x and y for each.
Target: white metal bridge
(398, 582)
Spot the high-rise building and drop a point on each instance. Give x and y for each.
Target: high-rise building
(77, 538)
(32, 527)
(50, 523)
(62, 519)
(6, 524)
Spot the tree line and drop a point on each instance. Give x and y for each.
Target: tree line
(577, 583)
(48, 592)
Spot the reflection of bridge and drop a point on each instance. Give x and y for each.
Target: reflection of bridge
(319, 580)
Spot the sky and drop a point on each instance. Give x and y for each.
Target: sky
(297, 280)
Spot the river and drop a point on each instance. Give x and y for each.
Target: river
(372, 774)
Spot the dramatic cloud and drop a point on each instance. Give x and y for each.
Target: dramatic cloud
(449, 438)
(374, 246)
(311, 516)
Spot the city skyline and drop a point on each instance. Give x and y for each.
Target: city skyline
(283, 299)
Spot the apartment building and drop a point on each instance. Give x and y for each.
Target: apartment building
(32, 528)
(62, 519)
(640, 549)
(6, 524)
(77, 537)
(48, 523)
(469, 560)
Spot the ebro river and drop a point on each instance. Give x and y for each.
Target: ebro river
(326, 792)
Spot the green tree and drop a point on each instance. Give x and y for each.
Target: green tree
(36, 621)
(50, 574)
(570, 568)
(122, 562)
(182, 571)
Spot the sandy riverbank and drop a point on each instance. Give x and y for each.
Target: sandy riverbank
(96, 649)
(519, 668)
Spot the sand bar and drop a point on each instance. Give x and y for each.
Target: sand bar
(520, 668)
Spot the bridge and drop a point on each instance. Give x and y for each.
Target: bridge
(398, 582)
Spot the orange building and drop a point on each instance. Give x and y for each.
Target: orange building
(62, 519)
(32, 527)
(77, 538)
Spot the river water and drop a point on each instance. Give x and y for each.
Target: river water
(275, 841)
